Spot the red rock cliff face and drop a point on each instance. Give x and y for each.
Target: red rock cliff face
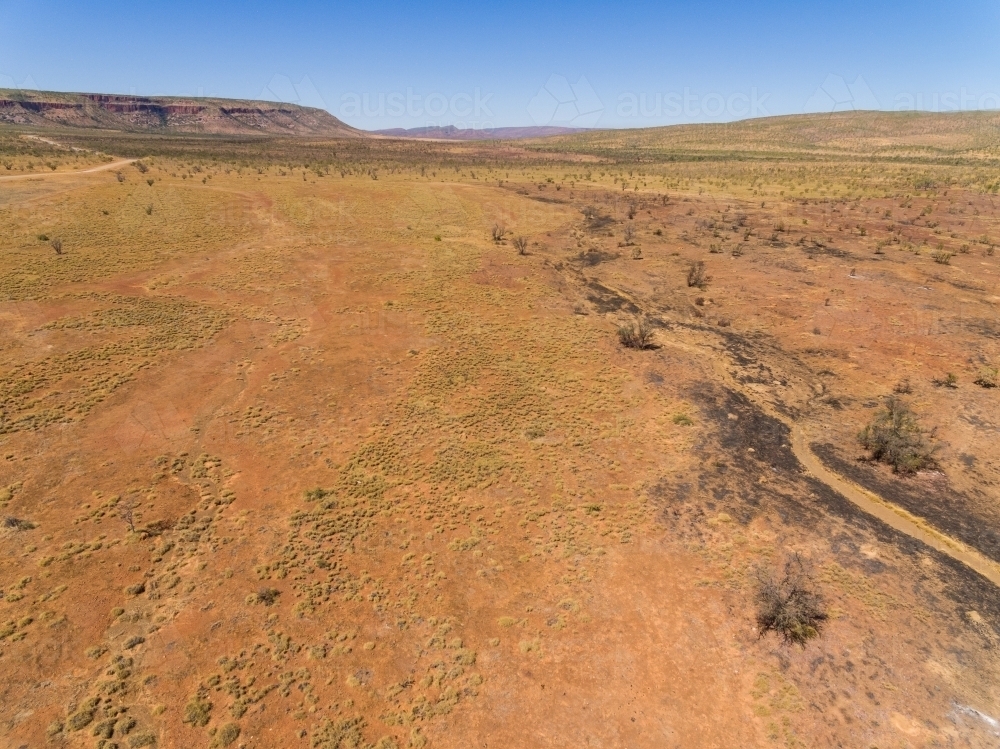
(38, 106)
(167, 114)
(126, 104)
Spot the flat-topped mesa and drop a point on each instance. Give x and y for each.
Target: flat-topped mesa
(167, 114)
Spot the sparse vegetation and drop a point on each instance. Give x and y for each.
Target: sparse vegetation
(697, 275)
(226, 735)
(790, 604)
(474, 433)
(987, 377)
(267, 596)
(198, 711)
(950, 380)
(895, 438)
(17, 524)
(126, 512)
(637, 335)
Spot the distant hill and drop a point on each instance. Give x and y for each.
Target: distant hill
(167, 114)
(904, 134)
(450, 132)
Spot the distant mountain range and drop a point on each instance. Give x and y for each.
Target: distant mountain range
(450, 132)
(168, 114)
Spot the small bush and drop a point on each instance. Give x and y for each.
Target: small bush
(57, 245)
(629, 236)
(227, 735)
(942, 258)
(894, 437)
(146, 738)
(314, 495)
(84, 716)
(198, 711)
(696, 275)
(497, 232)
(267, 596)
(17, 524)
(950, 380)
(790, 605)
(987, 377)
(636, 335)
(521, 245)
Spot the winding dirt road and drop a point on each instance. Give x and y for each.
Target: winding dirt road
(890, 514)
(91, 170)
(867, 501)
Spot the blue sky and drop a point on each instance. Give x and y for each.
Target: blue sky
(382, 64)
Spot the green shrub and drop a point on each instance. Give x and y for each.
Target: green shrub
(227, 735)
(894, 437)
(84, 716)
(198, 710)
(145, 738)
(987, 377)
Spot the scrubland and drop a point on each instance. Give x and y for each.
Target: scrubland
(300, 446)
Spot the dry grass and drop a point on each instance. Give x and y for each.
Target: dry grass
(376, 462)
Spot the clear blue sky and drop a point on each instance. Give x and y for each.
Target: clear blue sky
(383, 64)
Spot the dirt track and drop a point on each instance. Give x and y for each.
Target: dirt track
(91, 170)
(868, 501)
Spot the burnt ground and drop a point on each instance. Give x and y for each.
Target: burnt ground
(752, 441)
(930, 497)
